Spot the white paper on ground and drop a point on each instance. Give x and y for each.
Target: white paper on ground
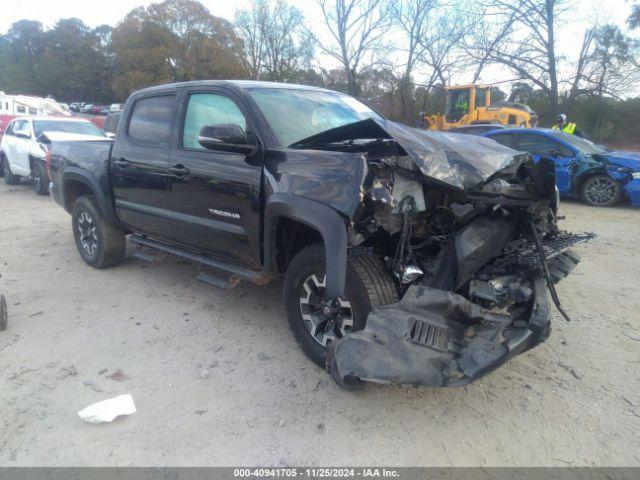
(107, 410)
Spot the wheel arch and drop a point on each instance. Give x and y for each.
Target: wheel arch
(582, 177)
(319, 222)
(76, 183)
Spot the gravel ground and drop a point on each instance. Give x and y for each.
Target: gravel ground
(218, 380)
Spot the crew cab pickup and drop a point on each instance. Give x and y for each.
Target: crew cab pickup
(406, 256)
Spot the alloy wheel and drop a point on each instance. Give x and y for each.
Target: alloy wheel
(326, 321)
(88, 236)
(600, 190)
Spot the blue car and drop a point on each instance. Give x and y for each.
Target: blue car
(584, 170)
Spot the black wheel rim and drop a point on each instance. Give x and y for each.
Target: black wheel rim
(600, 191)
(324, 322)
(88, 236)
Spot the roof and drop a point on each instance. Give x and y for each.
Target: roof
(545, 131)
(242, 84)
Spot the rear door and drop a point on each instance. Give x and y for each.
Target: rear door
(139, 164)
(215, 195)
(543, 146)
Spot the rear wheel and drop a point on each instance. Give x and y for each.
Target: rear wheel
(313, 318)
(9, 177)
(100, 244)
(40, 178)
(601, 191)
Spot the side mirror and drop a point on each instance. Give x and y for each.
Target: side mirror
(225, 137)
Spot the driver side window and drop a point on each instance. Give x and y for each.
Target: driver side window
(209, 109)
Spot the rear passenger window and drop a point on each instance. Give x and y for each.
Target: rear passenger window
(539, 144)
(209, 109)
(152, 120)
(503, 139)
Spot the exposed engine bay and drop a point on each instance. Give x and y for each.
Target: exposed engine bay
(468, 229)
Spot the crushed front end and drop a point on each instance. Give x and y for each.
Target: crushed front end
(468, 229)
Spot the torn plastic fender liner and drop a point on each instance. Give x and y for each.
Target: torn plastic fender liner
(435, 338)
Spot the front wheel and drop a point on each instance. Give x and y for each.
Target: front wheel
(601, 191)
(100, 244)
(316, 321)
(9, 177)
(40, 178)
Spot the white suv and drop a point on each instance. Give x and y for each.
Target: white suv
(22, 154)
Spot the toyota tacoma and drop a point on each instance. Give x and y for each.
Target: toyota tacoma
(407, 256)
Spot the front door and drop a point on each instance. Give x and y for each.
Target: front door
(215, 195)
(140, 165)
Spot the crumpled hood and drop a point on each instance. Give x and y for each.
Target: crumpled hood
(461, 161)
(630, 160)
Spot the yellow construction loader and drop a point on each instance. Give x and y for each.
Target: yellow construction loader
(471, 104)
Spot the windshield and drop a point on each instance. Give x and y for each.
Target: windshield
(296, 114)
(585, 146)
(84, 128)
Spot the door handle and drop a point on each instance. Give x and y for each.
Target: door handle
(122, 163)
(179, 171)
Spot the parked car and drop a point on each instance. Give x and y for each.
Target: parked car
(597, 176)
(477, 129)
(87, 108)
(76, 106)
(23, 151)
(259, 180)
(115, 107)
(111, 124)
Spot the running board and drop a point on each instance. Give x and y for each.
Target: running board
(227, 267)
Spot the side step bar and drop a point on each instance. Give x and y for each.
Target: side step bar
(203, 260)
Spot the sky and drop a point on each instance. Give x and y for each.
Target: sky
(97, 12)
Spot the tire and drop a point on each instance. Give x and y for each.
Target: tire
(601, 191)
(9, 177)
(40, 178)
(367, 285)
(100, 244)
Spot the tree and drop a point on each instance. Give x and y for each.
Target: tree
(277, 44)
(23, 44)
(73, 63)
(634, 19)
(412, 18)
(529, 49)
(176, 40)
(613, 63)
(356, 28)
(486, 36)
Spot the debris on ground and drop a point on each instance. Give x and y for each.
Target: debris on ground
(108, 410)
(3, 313)
(118, 376)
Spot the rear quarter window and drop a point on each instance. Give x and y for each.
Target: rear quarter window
(151, 120)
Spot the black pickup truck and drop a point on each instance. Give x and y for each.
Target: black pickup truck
(407, 256)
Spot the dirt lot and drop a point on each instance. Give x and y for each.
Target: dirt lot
(218, 380)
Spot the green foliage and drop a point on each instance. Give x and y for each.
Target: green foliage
(173, 41)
